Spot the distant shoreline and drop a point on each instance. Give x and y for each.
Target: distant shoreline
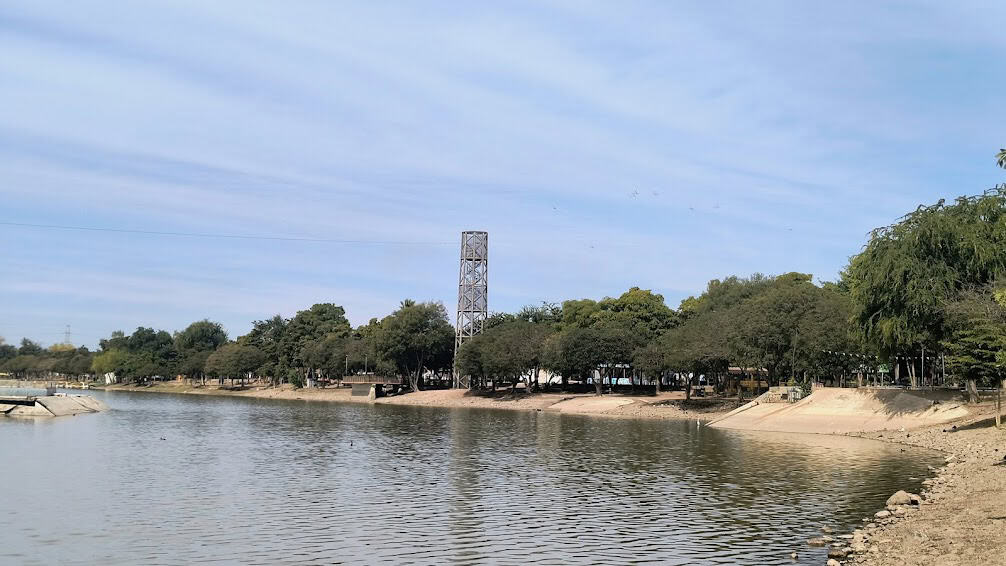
(664, 406)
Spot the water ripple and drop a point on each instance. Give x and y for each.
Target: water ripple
(270, 482)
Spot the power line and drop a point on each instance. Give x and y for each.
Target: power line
(224, 236)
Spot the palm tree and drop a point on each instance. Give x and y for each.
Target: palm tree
(1001, 158)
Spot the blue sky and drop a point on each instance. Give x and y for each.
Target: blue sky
(602, 145)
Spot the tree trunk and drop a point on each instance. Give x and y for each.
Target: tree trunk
(659, 376)
(972, 390)
(897, 370)
(688, 387)
(599, 383)
(912, 378)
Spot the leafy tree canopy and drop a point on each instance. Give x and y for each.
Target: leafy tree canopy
(907, 272)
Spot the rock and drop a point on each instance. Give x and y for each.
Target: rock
(882, 514)
(859, 547)
(900, 497)
(826, 530)
(900, 512)
(793, 555)
(833, 562)
(846, 537)
(817, 541)
(838, 553)
(916, 500)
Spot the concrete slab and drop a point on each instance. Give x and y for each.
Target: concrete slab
(63, 406)
(29, 411)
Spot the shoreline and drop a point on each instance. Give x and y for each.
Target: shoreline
(665, 406)
(958, 517)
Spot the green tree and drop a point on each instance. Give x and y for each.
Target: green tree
(195, 344)
(314, 324)
(7, 352)
(698, 346)
(511, 352)
(639, 311)
(268, 336)
(907, 273)
(469, 361)
(30, 348)
(653, 360)
(415, 338)
(112, 360)
(573, 353)
(1001, 158)
(234, 360)
(976, 341)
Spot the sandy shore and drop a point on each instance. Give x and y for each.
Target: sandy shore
(665, 406)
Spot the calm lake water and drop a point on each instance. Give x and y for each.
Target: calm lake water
(176, 479)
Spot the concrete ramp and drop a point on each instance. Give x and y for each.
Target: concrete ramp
(835, 410)
(54, 406)
(62, 406)
(89, 402)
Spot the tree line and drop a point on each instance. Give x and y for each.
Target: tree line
(930, 286)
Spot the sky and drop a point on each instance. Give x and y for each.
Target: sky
(603, 145)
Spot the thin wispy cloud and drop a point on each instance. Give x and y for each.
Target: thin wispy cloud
(602, 146)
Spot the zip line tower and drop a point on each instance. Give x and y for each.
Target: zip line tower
(473, 293)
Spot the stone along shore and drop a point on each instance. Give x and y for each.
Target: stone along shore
(959, 519)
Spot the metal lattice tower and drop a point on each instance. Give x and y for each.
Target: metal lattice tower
(473, 291)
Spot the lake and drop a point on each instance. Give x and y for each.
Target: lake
(181, 479)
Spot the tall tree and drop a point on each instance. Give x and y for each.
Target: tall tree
(907, 272)
(573, 353)
(234, 360)
(195, 344)
(316, 323)
(415, 338)
(268, 336)
(976, 341)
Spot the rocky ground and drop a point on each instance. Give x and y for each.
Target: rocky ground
(960, 517)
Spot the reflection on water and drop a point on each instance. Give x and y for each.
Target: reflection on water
(183, 479)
